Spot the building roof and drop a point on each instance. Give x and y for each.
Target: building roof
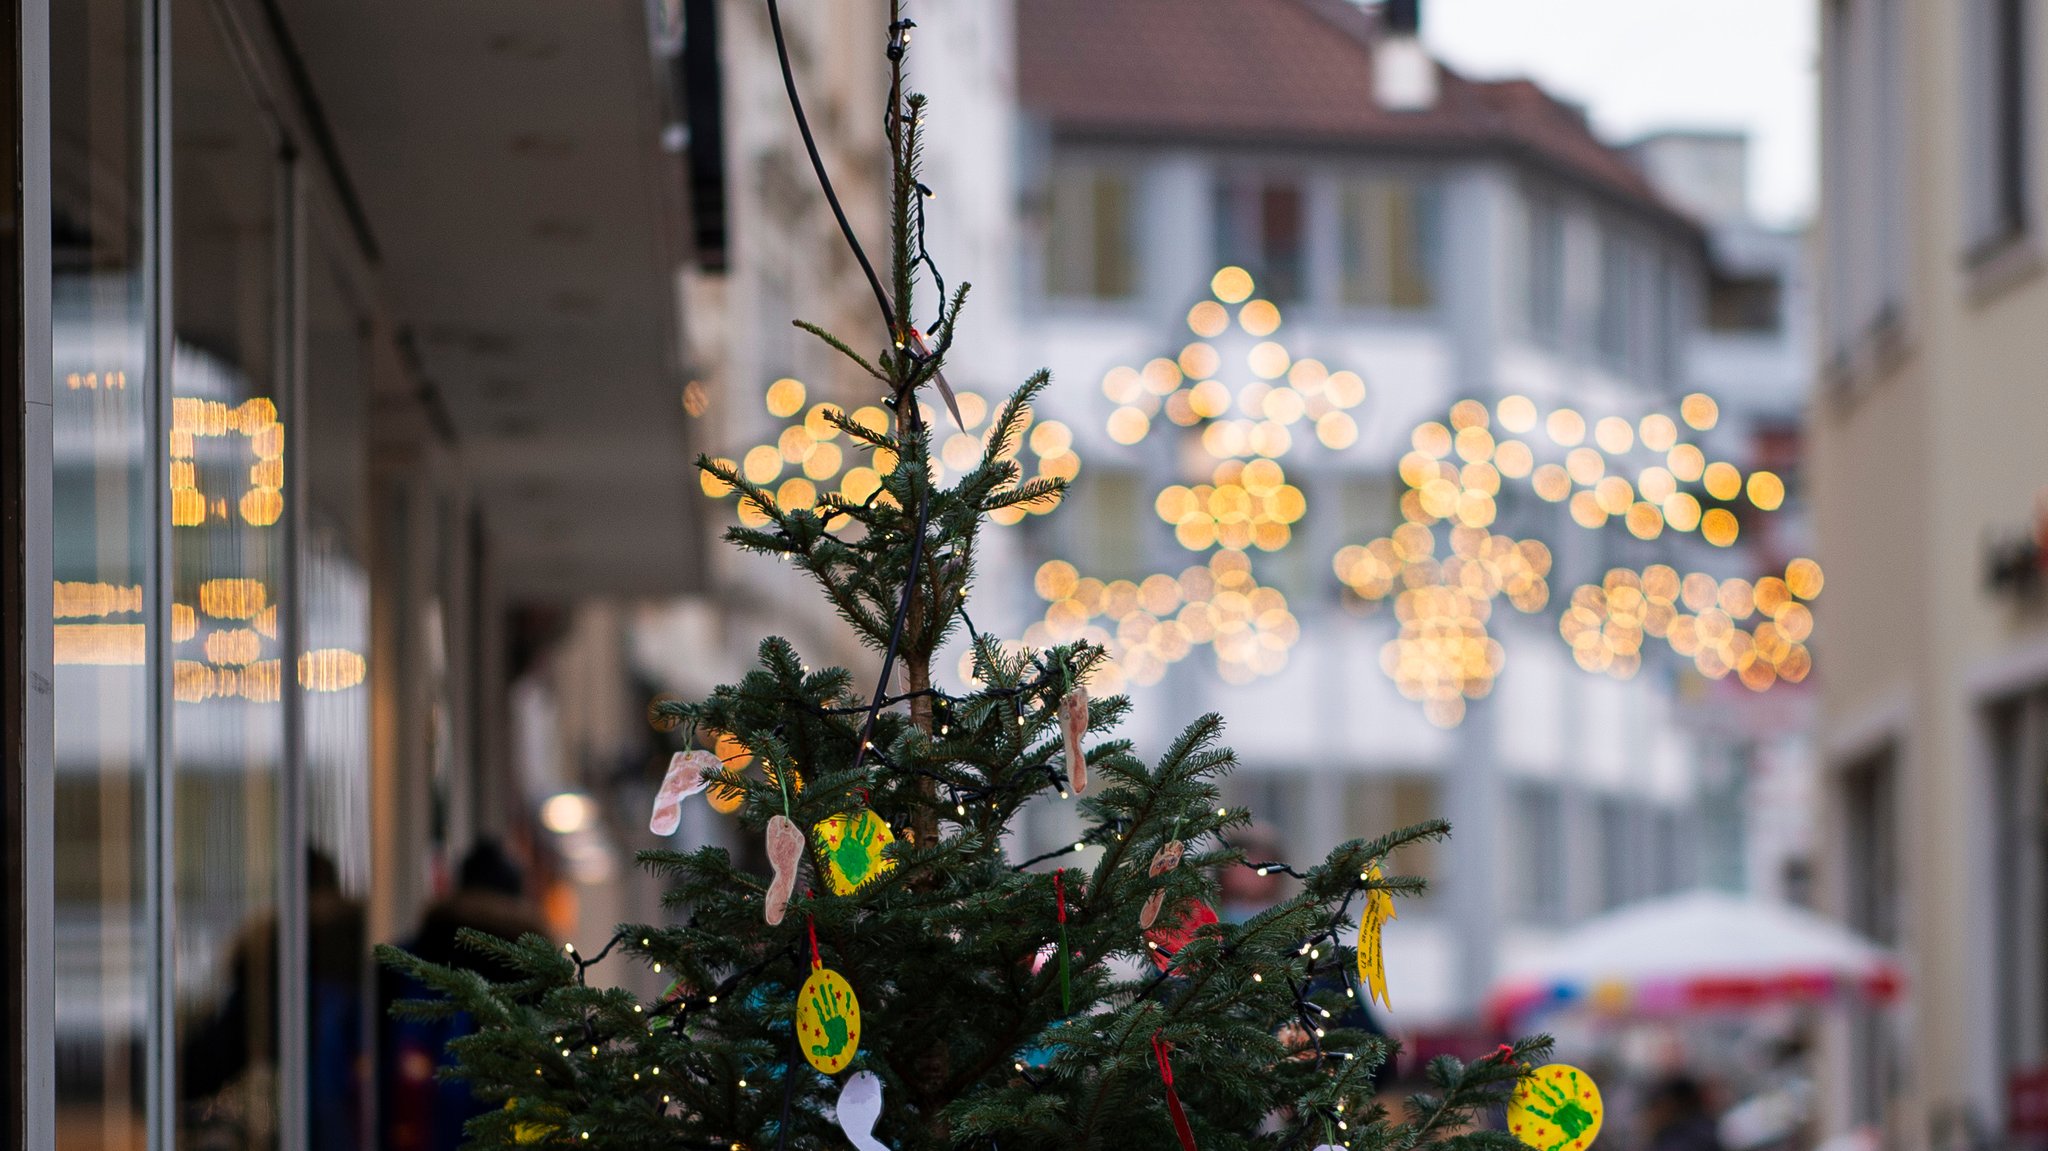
(1280, 72)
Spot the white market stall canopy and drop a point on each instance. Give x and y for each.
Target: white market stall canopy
(1698, 951)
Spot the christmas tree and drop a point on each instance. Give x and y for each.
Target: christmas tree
(898, 977)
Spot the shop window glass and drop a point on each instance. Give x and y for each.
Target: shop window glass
(228, 448)
(104, 524)
(335, 588)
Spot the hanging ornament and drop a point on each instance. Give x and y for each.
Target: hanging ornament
(1161, 1051)
(785, 851)
(1073, 726)
(1556, 1108)
(1167, 941)
(858, 1109)
(689, 772)
(852, 844)
(1164, 860)
(1372, 962)
(828, 1022)
(525, 1133)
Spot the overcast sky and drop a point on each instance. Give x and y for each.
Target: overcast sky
(1640, 65)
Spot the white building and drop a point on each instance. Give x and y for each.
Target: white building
(1444, 240)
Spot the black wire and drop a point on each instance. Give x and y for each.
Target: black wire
(924, 509)
(818, 165)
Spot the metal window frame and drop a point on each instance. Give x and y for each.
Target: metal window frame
(27, 765)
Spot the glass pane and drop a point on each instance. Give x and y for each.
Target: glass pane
(335, 588)
(103, 528)
(228, 556)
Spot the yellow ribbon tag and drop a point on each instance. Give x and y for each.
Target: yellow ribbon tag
(1557, 1108)
(1372, 962)
(853, 849)
(827, 1020)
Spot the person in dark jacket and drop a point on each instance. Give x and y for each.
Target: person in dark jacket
(421, 1110)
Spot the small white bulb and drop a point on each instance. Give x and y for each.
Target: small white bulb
(743, 1083)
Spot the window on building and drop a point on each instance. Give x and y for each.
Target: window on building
(1745, 305)
(1378, 804)
(1544, 293)
(1870, 886)
(1864, 167)
(1612, 321)
(1109, 513)
(1389, 244)
(1538, 879)
(1091, 248)
(1262, 226)
(2019, 868)
(1996, 75)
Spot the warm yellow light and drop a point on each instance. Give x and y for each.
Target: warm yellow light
(761, 464)
(1722, 480)
(1551, 482)
(796, 492)
(795, 443)
(825, 459)
(1128, 425)
(1804, 577)
(1513, 458)
(1766, 491)
(1681, 511)
(1051, 438)
(1259, 318)
(1658, 432)
(785, 397)
(1686, 462)
(1208, 319)
(859, 483)
(1614, 435)
(1432, 440)
(331, 669)
(1344, 389)
(1718, 527)
(1160, 375)
(102, 644)
(1615, 495)
(1268, 360)
(1517, 413)
(1645, 522)
(1699, 411)
(1473, 443)
(1199, 361)
(232, 598)
(1337, 430)
(1231, 284)
(712, 485)
(1308, 376)
(1586, 510)
(1586, 466)
(1566, 427)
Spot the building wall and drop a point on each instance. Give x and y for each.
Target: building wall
(1927, 453)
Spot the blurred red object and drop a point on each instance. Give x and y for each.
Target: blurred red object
(2026, 1102)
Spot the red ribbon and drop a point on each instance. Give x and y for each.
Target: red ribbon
(1059, 889)
(1180, 1118)
(817, 961)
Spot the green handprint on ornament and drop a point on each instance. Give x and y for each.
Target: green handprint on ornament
(851, 854)
(1557, 1103)
(825, 1004)
(853, 846)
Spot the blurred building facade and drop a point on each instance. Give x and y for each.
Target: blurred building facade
(1440, 240)
(1928, 497)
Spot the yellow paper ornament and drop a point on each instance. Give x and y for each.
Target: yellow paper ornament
(1557, 1108)
(827, 1020)
(1372, 962)
(852, 846)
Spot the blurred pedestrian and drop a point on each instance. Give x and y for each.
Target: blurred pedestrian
(1678, 1117)
(421, 1111)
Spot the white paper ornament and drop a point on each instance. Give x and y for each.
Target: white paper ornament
(1073, 728)
(689, 772)
(785, 850)
(858, 1109)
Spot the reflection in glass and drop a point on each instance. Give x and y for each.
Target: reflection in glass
(228, 555)
(335, 588)
(103, 528)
